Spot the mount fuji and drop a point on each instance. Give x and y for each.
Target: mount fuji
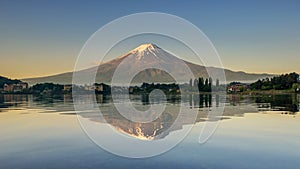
(150, 55)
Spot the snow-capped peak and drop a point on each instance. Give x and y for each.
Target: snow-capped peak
(143, 50)
(144, 47)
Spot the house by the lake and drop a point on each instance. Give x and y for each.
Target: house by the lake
(297, 90)
(15, 88)
(102, 88)
(68, 87)
(237, 87)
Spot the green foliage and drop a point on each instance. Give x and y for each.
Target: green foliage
(203, 85)
(207, 85)
(47, 88)
(217, 83)
(234, 83)
(167, 88)
(282, 82)
(4, 80)
(296, 86)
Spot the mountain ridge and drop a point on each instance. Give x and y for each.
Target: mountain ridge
(148, 54)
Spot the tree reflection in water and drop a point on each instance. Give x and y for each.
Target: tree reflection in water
(236, 105)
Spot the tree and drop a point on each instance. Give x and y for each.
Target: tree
(201, 84)
(282, 82)
(47, 88)
(206, 85)
(217, 83)
(210, 81)
(191, 83)
(195, 83)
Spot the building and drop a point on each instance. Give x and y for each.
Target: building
(133, 89)
(236, 88)
(297, 90)
(102, 88)
(174, 90)
(8, 88)
(68, 87)
(15, 88)
(99, 87)
(89, 88)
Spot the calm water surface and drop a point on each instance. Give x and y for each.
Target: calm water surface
(255, 132)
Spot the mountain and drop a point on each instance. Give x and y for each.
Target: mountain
(4, 80)
(148, 55)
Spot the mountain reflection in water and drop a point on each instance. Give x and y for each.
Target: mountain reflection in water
(236, 105)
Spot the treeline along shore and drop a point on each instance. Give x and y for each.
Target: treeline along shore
(285, 83)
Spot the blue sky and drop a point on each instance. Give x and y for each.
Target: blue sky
(41, 38)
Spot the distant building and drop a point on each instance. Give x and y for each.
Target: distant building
(18, 87)
(236, 88)
(102, 88)
(68, 87)
(133, 89)
(174, 90)
(8, 88)
(99, 87)
(89, 87)
(297, 90)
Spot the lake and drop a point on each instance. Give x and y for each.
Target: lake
(260, 131)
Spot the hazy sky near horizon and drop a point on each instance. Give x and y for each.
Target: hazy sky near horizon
(40, 38)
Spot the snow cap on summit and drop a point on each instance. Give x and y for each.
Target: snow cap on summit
(145, 47)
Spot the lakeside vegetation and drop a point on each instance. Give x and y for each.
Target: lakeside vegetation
(282, 82)
(5, 80)
(285, 83)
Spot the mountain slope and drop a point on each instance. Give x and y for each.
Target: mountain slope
(148, 55)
